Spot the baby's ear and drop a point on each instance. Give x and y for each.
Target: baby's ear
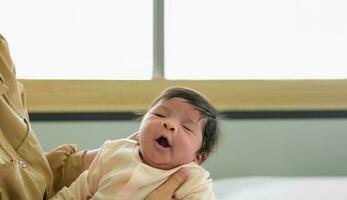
(200, 158)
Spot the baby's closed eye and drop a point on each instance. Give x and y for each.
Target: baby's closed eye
(159, 115)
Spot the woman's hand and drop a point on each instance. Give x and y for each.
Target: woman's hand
(134, 136)
(167, 190)
(88, 158)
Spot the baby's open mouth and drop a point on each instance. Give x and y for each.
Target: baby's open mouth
(162, 141)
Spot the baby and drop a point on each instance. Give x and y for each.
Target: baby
(179, 130)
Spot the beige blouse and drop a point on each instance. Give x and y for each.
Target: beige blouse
(25, 171)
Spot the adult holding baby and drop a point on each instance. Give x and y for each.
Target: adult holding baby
(26, 172)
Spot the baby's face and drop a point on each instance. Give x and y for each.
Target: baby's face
(171, 133)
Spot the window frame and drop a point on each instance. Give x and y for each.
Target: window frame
(226, 95)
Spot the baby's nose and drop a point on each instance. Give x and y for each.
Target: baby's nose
(169, 126)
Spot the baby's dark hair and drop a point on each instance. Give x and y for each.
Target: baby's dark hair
(210, 132)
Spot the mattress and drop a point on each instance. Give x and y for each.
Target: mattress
(281, 188)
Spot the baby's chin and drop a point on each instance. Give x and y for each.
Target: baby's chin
(155, 164)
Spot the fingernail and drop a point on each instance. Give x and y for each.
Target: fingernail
(184, 172)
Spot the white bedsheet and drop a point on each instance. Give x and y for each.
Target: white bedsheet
(281, 188)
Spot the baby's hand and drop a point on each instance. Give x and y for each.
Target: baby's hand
(167, 190)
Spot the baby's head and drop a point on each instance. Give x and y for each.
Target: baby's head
(179, 127)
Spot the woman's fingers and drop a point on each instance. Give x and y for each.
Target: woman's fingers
(134, 136)
(89, 157)
(175, 181)
(167, 190)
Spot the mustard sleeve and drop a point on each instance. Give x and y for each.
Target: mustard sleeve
(86, 185)
(66, 162)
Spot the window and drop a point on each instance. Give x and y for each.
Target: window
(79, 39)
(244, 55)
(250, 39)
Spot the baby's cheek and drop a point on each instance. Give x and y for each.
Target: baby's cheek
(190, 148)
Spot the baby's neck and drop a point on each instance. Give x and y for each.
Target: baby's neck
(143, 159)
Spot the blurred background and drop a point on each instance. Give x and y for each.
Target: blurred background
(276, 69)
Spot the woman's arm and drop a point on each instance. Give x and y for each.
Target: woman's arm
(66, 163)
(167, 190)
